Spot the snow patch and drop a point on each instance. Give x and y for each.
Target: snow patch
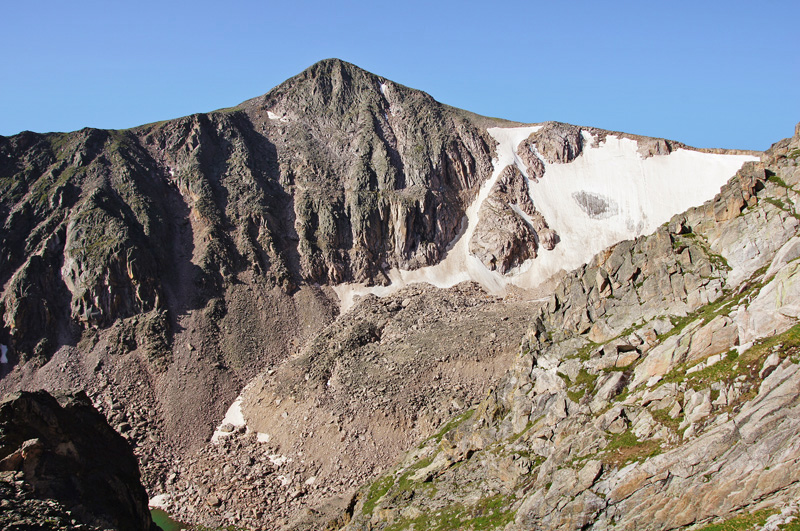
(272, 116)
(383, 88)
(608, 194)
(3, 351)
(639, 195)
(159, 502)
(262, 437)
(233, 417)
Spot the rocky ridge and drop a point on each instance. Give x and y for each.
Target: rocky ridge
(658, 388)
(161, 267)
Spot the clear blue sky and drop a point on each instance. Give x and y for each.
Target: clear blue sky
(708, 73)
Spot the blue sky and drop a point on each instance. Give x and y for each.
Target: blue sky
(710, 74)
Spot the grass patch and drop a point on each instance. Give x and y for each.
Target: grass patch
(489, 513)
(662, 417)
(583, 382)
(585, 352)
(625, 447)
(742, 522)
(771, 177)
(734, 365)
(377, 491)
(453, 424)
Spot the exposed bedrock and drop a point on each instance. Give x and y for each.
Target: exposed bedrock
(509, 229)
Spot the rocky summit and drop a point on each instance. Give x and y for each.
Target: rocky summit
(344, 305)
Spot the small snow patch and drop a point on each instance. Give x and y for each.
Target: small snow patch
(273, 116)
(278, 460)
(262, 437)
(3, 357)
(159, 502)
(383, 88)
(233, 419)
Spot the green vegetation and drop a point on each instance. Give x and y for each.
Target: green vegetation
(377, 491)
(489, 513)
(583, 382)
(585, 352)
(722, 306)
(453, 424)
(742, 522)
(734, 365)
(625, 447)
(771, 177)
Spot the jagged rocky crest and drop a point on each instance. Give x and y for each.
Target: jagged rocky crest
(657, 389)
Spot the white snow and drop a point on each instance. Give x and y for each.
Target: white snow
(383, 88)
(233, 417)
(3, 350)
(159, 502)
(273, 116)
(641, 193)
(262, 437)
(646, 192)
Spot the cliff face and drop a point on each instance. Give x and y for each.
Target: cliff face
(64, 452)
(336, 175)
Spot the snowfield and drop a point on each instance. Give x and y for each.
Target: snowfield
(606, 195)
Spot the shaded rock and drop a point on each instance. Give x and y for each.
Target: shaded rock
(67, 452)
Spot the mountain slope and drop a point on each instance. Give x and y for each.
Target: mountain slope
(162, 268)
(658, 388)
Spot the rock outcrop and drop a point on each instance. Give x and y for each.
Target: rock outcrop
(657, 389)
(199, 250)
(62, 456)
(509, 229)
(163, 267)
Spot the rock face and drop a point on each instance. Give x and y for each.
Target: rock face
(163, 267)
(657, 389)
(510, 229)
(64, 451)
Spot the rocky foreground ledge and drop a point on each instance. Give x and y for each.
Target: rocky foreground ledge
(63, 467)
